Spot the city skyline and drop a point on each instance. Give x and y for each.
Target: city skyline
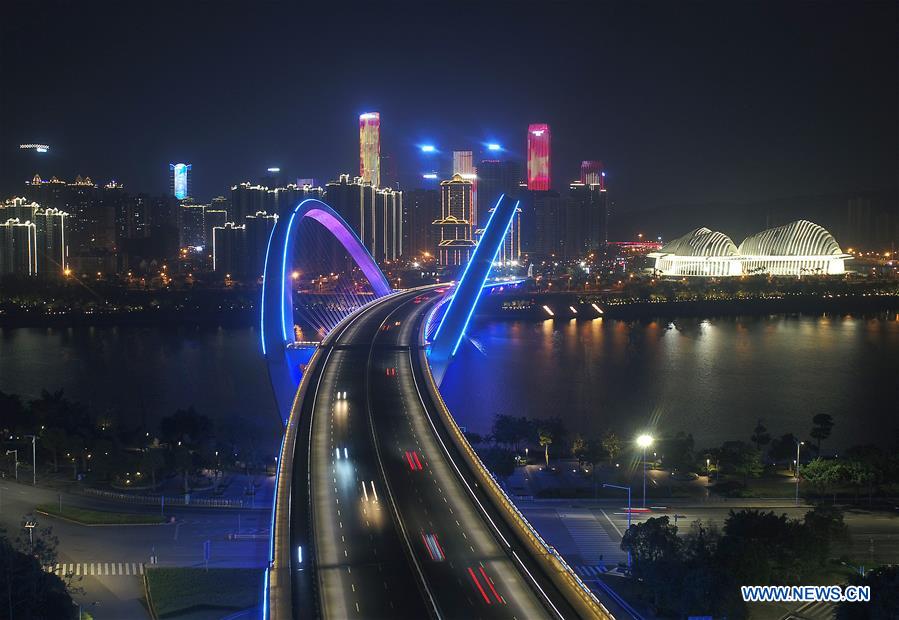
(724, 137)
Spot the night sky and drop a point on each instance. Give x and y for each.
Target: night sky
(685, 102)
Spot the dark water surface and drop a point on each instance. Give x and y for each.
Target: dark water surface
(711, 377)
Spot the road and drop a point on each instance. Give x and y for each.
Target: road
(397, 528)
(108, 561)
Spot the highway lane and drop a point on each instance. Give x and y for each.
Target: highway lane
(467, 570)
(362, 566)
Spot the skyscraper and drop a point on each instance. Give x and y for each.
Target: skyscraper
(258, 230)
(370, 148)
(50, 229)
(229, 255)
(495, 178)
(246, 199)
(454, 226)
(463, 165)
(18, 248)
(539, 171)
(592, 173)
(180, 180)
(193, 225)
(421, 207)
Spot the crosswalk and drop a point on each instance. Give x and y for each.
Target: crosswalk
(594, 544)
(591, 571)
(97, 569)
(819, 610)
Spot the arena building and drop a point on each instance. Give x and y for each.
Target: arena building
(793, 250)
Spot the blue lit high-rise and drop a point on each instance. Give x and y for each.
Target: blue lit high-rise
(180, 180)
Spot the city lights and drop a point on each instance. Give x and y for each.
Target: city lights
(494, 147)
(428, 148)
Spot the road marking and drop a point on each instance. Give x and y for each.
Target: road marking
(611, 522)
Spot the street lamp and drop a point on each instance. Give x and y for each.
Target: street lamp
(30, 525)
(15, 457)
(798, 443)
(33, 461)
(644, 441)
(628, 489)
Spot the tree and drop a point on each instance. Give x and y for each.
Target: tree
(884, 584)
(655, 550)
(54, 439)
(28, 590)
(499, 461)
(824, 474)
(760, 436)
(545, 437)
(742, 459)
(783, 449)
(579, 448)
(612, 445)
(825, 526)
(151, 461)
(822, 426)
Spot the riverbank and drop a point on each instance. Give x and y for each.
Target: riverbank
(573, 305)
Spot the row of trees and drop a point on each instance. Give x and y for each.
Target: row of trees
(69, 435)
(700, 573)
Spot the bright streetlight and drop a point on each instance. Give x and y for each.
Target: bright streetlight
(644, 441)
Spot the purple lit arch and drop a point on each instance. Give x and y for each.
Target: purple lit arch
(276, 323)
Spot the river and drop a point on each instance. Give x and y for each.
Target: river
(710, 377)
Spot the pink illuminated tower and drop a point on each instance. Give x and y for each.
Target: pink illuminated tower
(538, 157)
(370, 148)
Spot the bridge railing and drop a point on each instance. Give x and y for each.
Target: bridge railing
(560, 572)
(173, 500)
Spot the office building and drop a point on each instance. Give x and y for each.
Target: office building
(454, 229)
(247, 199)
(18, 248)
(539, 170)
(50, 235)
(388, 244)
(257, 231)
(587, 222)
(229, 251)
(593, 173)
(370, 148)
(180, 180)
(193, 225)
(213, 218)
(463, 165)
(421, 207)
(495, 178)
(19, 209)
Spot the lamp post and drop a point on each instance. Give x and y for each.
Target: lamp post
(15, 457)
(644, 441)
(798, 443)
(30, 525)
(33, 460)
(628, 489)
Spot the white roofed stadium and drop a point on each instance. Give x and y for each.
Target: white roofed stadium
(795, 249)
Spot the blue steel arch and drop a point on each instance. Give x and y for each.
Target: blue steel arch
(276, 313)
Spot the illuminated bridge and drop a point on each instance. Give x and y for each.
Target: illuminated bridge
(383, 510)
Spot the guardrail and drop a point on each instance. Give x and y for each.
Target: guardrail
(576, 592)
(173, 500)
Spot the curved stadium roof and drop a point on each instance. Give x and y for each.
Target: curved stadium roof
(799, 238)
(701, 242)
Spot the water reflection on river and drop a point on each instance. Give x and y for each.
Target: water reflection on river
(712, 377)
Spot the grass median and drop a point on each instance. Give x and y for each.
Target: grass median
(177, 591)
(86, 516)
